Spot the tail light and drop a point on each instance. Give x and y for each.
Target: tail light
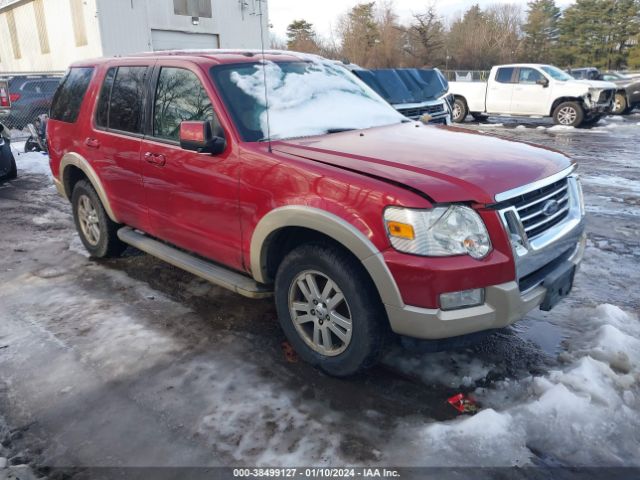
(14, 97)
(4, 98)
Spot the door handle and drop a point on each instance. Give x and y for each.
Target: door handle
(92, 143)
(155, 159)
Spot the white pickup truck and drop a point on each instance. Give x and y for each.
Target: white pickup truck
(532, 90)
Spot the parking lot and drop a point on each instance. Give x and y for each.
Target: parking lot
(131, 362)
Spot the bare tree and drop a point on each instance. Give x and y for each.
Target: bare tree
(425, 38)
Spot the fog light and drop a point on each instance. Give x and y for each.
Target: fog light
(466, 298)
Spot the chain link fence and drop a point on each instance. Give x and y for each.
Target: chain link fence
(27, 95)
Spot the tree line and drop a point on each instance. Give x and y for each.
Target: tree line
(600, 33)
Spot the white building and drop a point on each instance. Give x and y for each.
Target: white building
(48, 35)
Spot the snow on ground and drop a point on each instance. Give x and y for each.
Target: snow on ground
(594, 394)
(615, 182)
(31, 162)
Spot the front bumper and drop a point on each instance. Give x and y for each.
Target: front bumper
(600, 108)
(536, 260)
(504, 305)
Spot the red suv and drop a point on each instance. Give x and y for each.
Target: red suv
(285, 175)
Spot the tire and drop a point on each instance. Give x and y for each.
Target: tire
(620, 104)
(460, 111)
(569, 114)
(358, 316)
(591, 121)
(97, 231)
(13, 171)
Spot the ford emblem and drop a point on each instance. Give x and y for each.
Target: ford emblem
(551, 207)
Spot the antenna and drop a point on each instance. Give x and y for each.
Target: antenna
(264, 72)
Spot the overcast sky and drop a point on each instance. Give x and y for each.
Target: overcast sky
(324, 13)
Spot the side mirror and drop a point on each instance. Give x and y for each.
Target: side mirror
(199, 137)
(544, 82)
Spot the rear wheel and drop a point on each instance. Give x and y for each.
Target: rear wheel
(97, 231)
(330, 310)
(460, 110)
(569, 114)
(619, 104)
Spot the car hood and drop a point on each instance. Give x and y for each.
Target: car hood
(626, 83)
(596, 84)
(445, 163)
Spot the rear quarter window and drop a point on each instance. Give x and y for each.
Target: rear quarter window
(69, 96)
(504, 75)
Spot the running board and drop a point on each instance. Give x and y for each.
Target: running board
(215, 274)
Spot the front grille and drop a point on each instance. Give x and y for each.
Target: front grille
(535, 218)
(605, 96)
(534, 279)
(416, 113)
(439, 121)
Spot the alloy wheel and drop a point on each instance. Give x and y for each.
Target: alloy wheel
(88, 219)
(457, 111)
(567, 116)
(320, 313)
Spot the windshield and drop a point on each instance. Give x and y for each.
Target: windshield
(406, 85)
(305, 98)
(556, 73)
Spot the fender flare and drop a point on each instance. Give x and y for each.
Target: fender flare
(333, 226)
(76, 160)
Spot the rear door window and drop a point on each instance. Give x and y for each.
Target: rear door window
(102, 111)
(126, 102)
(69, 96)
(505, 75)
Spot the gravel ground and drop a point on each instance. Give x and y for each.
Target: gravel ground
(133, 363)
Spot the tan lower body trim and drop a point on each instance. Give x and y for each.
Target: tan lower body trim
(504, 305)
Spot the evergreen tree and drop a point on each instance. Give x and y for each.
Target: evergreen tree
(541, 30)
(302, 37)
(360, 34)
(598, 32)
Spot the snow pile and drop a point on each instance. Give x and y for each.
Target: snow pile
(584, 414)
(561, 128)
(313, 100)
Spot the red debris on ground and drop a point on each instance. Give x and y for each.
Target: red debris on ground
(289, 353)
(463, 404)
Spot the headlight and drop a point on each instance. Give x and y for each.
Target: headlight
(439, 232)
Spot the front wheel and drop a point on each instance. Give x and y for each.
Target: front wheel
(568, 114)
(97, 231)
(460, 110)
(619, 104)
(330, 310)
